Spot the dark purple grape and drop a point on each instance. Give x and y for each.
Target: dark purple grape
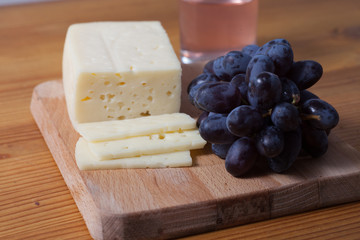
(234, 62)
(272, 42)
(202, 116)
(320, 114)
(314, 141)
(208, 67)
(292, 147)
(220, 97)
(220, 150)
(265, 91)
(244, 120)
(270, 142)
(218, 68)
(305, 73)
(290, 92)
(285, 116)
(241, 157)
(257, 65)
(264, 48)
(213, 129)
(202, 78)
(239, 82)
(283, 57)
(306, 95)
(250, 49)
(280, 51)
(196, 83)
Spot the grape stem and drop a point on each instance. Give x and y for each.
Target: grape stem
(268, 113)
(310, 117)
(296, 99)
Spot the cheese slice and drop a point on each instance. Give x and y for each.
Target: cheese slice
(87, 161)
(119, 70)
(148, 145)
(112, 130)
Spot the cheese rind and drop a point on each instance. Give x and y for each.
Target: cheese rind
(119, 70)
(112, 130)
(148, 145)
(87, 161)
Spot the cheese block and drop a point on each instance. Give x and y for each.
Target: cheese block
(87, 161)
(119, 70)
(119, 129)
(147, 145)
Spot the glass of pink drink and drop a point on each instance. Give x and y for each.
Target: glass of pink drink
(210, 28)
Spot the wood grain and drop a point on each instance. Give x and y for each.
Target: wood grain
(35, 202)
(168, 203)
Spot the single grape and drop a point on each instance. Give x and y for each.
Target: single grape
(196, 83)
(241, 157)
(292, 147)
(244, 120)
(272, 42)
(306, 95)
(264, 48)
(208, 67)
(220, 150)
(285, 116)
(239, 82)
(202, 78)
(305, 73)
(202, 116)
(219, 97)
(270, 141)
(257, 65)
(218, 68)
(314, 141)
(280, 51)
(264, 91)
(320, 114)
(250, 49)
(213, 129)
(283, 57)
(227, 66)
(290, 92)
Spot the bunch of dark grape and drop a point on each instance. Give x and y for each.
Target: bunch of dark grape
(256, 105)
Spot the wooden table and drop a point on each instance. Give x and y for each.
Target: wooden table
(35, 203)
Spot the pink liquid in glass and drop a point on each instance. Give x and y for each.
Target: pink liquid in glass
(210, 28)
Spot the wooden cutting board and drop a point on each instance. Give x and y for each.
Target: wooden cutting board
(168, 203)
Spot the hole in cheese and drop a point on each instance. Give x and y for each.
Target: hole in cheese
(120, 105)
(106, 83)
(121, 117)
(147, 113)
(168, 93)
(86, 98)
(110, 96)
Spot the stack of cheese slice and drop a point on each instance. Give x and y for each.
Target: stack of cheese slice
(147, 142)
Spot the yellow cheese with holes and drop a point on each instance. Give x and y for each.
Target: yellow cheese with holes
(119, 70)
(119, 129)
(148, 145)
(87, 161)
